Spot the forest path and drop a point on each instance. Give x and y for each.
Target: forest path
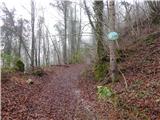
(60, 99)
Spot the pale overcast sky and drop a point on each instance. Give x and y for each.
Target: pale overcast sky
(51, 14)
(23, 8)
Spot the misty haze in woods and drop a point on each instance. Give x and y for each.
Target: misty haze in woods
(37, 35)
(82, 28)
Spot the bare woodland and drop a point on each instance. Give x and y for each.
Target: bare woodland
(79, 37)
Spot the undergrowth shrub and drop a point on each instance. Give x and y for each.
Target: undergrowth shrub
(11, 63)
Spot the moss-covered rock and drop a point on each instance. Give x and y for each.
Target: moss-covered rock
(19, 66)
(100, 71)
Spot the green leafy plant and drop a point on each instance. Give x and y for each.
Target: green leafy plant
(104, 92)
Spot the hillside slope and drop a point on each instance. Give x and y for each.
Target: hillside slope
(63, 94)
(141, 71)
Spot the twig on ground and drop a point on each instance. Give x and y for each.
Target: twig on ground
(125, 81)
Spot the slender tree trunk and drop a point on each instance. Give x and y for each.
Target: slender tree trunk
(36, 53)
(113, 64)
(20, 44)
(65, 34)
(79, 34)
(20, 38)
(39, 46)
(32, 25)
(73, 32)
(47, 49)
(44, 51)
(54, 45)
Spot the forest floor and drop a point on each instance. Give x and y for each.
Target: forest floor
(55, 96)
(68, 92)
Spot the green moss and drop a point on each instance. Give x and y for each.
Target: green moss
(100, 71)
(19, 66)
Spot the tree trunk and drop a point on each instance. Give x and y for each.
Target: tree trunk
(99, 30)
(39, 45)
(65, 34)
(32, 25)
(20, 38)
(36, 53)
(113, 65)
(79, 32)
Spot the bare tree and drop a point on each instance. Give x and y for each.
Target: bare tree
(98, 28)
(65, 33)
(39, 35)
(63, 7)
(20, 36)
(113, 64)
(57, 51)
(13, 30)
(33, 37)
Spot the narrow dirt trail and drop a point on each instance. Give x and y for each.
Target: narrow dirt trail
(58, 99)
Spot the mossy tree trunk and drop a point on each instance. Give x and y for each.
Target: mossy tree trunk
(98, 7)
(100, 68)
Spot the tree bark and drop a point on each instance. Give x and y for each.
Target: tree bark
(32, 25)
(98, 7)
(113, 64)
(20, 38)
(65, 34)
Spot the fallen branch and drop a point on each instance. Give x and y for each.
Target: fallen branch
(125, 81)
